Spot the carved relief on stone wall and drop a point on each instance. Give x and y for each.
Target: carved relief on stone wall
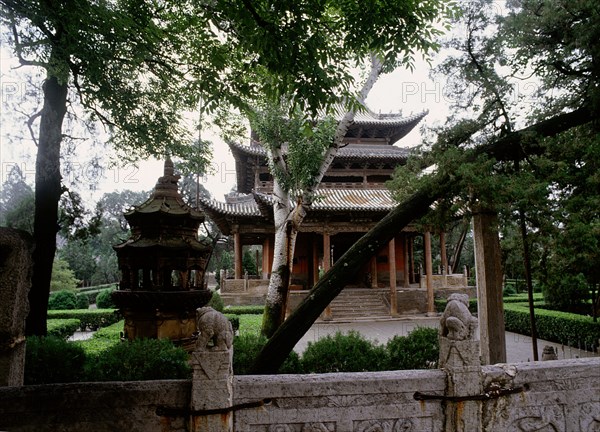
(300, 427)
(388, 425)
(589, 417)
(548, 418)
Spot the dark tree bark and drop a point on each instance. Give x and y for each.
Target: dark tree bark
(47, 195)
(512, 146)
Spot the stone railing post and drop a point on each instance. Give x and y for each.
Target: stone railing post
(460, 358)
(15, 281)
(212, 381)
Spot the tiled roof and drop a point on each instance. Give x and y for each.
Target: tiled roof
(334, 200)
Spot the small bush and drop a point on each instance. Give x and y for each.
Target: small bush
(103, 339)
(343, 353)
(246, 348)
(53, 360)
(216, 302)
(420, 349)
(61, 300)
(104, 300)
(82, 301)
(141, 359)
(62, 328)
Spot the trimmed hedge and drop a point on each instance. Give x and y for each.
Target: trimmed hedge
(246, 348)
(62, 328)
(104, 300)
(61, 300)
(244, 310)
(91, 294)
(103, 339)
(420, 349)
(88, 318)
(566, 328)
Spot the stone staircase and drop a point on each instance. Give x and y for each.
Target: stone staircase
(360, 303)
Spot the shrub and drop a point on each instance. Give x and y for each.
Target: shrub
(104, 300)
(343, 353)
(103, 339)
(82, 301)
(244, 310)
(89, 318)
(140, 359)
(420, 349)
(61, 300)
(62, 328)
(216, 302)
(565, 291)
(53, 360)
(566, 328)
(246, 348)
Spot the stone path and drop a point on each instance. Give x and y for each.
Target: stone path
(518, 347)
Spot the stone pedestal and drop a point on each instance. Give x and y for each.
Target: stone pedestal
(16, 248)
(460, 360)
(212, 391)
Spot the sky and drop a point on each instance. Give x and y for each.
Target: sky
(401, 91)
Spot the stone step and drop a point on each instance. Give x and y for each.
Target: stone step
(359, 303)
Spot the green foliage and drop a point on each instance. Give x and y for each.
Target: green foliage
(244, 310)
(104, 299)
(92, 319)
(17, 201)
(61, 300)
(250, 323)
(92, 292)
(249, 263)
(62, 327)
(418, 350)
(141, 359)
(82, 301)
(216, 302)
(51, 359)
(225, 263)
(349, 352)
(63, 278)
(564, 291)
(102, 339)
(566, 328)
(246, 348)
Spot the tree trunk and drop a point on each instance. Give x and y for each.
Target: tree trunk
(47, 196)
(285, 239)
(344, 270)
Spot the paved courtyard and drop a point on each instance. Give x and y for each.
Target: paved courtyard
(518, 347)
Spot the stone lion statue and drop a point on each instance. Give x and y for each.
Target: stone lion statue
(457, 322)
(216, 332)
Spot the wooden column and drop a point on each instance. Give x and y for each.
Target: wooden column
(374, 281)
(488, 270)
(266, 268)
(428, 273)
(443, 253)
(406, 283)
(326, 266)
(237, 252)
(392, 263)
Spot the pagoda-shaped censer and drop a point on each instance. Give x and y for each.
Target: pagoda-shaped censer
(162, 265)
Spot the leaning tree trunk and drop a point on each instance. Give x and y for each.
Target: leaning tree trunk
(47, 196)
(510, 146)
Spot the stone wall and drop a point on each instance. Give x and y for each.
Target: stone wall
(561, 395)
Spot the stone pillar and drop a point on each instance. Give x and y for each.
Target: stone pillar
(428, 273)
(459, 358)
(488, 269)
(237, 252)
(326, 266)
(212, 379)
(15, 281)
(392, 264)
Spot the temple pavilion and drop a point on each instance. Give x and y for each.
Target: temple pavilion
(352, 198)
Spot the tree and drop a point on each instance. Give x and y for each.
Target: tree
(16, 202)
(63, 278)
